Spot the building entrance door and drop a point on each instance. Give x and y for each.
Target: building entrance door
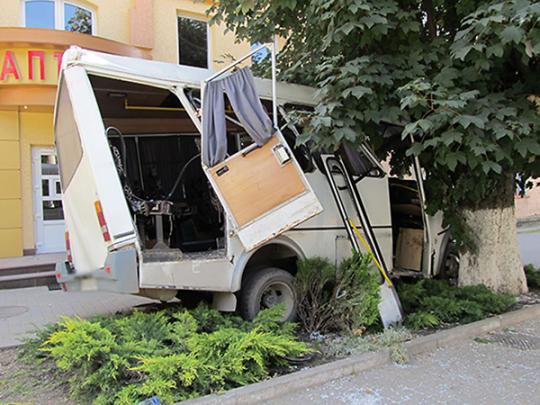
(49, 223)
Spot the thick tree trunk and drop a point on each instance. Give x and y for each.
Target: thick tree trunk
(496, 262)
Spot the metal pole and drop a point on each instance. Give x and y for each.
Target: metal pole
(228, 67)
(274, 80)
(330, 162)
(362, 215)
(427, 230)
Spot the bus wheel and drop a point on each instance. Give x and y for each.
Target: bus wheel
(265, 288)
(450, 264)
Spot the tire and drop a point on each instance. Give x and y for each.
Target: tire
(265, 288)
(450, 264)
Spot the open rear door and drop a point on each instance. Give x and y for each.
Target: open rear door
(264, 191)
(97, 216)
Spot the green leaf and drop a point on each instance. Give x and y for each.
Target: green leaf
(496, 50)
(491, 166)
(456, 104)
(451, 161)
(451, 136)
(409, 129)
(415, 149)
(426, 125)
(501, 132)
(431, 142)
(357, 91)
(461, 53)
(512, 34)
(482, 64)
(529, 147)
(345, 132)
(347, 28)
(247, 5)
(469, 95)
(371, 20)
(466, 120)
(326, 121)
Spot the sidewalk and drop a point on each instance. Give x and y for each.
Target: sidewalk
(23, 310)
(502, 367)
(31, 261)
(524, 224)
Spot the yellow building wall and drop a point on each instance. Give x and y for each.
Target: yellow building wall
(36, 130)
(10, 184)
(19, 132)
(10, 15)
(112, 18)
(166, 32)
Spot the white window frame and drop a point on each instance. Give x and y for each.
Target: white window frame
(208, 41)
(59, 6)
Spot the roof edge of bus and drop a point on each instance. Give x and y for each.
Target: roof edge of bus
(157, 72)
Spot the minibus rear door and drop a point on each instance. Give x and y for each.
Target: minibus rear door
(97, 216)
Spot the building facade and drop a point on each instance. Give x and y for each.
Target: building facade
(33, 37)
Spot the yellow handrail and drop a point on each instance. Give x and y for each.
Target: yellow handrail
(357, 232)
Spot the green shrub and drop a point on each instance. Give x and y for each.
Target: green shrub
(473, 311)
(533, 276)
(410, 294)
(444, 309)
(488, 301)
(421, 320)
(357, 293)
(174, 354)
(343, 299)
(431, 302)
(315, 283)
(31, 352)
(210, 319)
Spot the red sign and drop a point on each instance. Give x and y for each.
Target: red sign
(24, 65)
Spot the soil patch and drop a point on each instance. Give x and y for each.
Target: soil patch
(25, 383)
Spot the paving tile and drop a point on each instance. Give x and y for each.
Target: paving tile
(45, 307)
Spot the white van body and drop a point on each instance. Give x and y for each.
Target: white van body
(90, 178)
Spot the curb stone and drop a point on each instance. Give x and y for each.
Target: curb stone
(279, 386)
(532, 220)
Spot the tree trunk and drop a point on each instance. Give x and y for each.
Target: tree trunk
(496, 263)
(431, 18)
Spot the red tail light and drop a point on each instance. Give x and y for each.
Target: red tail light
(102, 223)
(68, 248)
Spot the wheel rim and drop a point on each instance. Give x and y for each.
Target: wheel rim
(277, 293)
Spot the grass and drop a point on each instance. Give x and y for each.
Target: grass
(29, 383)
(339, 346)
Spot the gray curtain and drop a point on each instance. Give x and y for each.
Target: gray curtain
(240, 89)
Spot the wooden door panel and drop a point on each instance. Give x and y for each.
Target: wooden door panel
(256, 183)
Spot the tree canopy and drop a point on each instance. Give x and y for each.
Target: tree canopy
(458, 76)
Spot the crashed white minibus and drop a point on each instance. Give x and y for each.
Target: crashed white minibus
(145, 217)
